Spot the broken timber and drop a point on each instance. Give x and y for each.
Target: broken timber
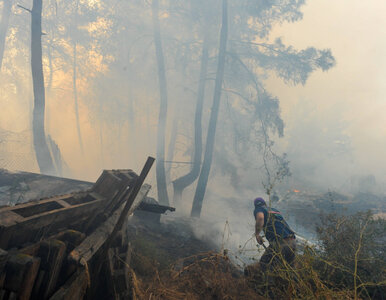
(72, 246)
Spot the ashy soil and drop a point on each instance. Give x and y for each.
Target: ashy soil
(169, 262)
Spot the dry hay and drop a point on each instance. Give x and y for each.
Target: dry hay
(204, 276)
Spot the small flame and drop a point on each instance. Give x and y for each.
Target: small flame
(296, 191)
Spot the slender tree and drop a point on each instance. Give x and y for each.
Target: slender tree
(184, 181)
(42, 152)
(160, 166)
(172, 143)
(204, 174)
(7, 5)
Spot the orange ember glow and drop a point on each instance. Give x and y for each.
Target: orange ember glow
(296, 191)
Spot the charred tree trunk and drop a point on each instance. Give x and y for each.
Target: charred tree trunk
(43, 155)
(204, 175)
(160, 166)
(7, 5)
(181, 183)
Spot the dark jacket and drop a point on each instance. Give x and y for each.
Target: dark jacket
(275, 227)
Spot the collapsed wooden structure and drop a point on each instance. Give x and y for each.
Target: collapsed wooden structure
(72, 246)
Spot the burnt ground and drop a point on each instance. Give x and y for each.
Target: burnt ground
(169, 262)
(165, 243)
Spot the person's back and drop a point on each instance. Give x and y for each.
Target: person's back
(275, 227)
(280, 236)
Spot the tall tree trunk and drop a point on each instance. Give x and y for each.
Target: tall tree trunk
(204, 175)
(49, 87)
(51, 71)
(160, 166)
(43, 155)
(7, 5)
(172, 144)
(75, 88)
(181, 183)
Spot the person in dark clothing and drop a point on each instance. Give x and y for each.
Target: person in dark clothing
(281, 238)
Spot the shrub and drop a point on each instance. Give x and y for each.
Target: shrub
(353, 253)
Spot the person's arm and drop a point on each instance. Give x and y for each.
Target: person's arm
(259, 226)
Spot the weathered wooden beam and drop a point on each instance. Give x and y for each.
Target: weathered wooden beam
(3, 262)
(14, 232)
(110, 183)
(35, 220)
(74, 288)
(86, 250)
(71, 238)
(21, 271)
(51, 253)
(155, 208)
(113, 185)
(131, 199)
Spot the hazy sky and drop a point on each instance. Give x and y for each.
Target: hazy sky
(356, 87)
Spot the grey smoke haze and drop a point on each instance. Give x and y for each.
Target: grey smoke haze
(335, 124)
(344, 107)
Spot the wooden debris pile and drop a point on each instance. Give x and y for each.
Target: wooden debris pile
(73, 246)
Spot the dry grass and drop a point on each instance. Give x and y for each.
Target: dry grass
(337, 272)
(205, 276)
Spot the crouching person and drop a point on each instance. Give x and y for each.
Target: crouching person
(282, 242)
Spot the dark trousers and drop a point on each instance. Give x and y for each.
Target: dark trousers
(279, 252)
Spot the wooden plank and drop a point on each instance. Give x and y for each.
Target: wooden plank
(3, 259)
(155, 208)
(131, 199)
(51, 253)
(127, 264)
(74, 288)
(110, 182)
(8, 217)
(71, 238)
(36, 228)
(109, 280)
(32, 221)
(34, 204)
(21, 271)
(85, 251)
(107, 179)
(63, 203)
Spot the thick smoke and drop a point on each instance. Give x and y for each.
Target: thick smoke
(275, 98)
